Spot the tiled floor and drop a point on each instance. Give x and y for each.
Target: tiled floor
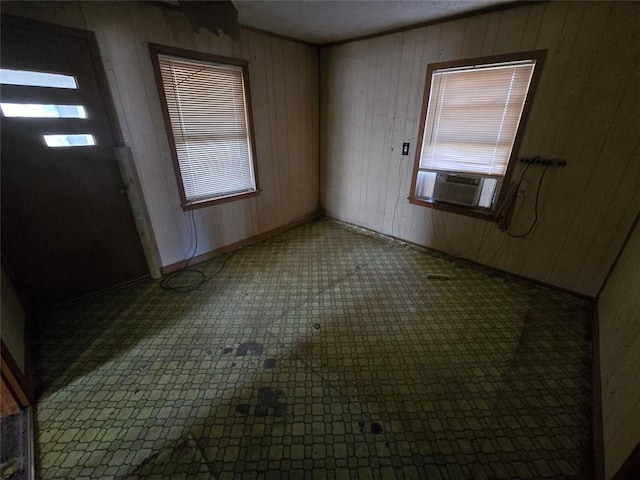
(322, 353)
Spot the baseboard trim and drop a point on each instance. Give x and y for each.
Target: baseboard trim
(514, 276)
(174, 267)
(596, 400)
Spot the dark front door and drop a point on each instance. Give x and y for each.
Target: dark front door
(67, 228)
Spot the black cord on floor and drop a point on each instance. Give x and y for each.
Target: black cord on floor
(188, 279)
(176, 282)
(169, 281)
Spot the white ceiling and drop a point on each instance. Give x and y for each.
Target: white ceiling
(329, 21)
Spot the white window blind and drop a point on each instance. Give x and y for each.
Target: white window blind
(473, 117)
(207, 108)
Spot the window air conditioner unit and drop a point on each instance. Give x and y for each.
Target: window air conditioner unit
(459, 189)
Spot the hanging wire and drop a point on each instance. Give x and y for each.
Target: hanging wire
(535, 208)
(510, 200)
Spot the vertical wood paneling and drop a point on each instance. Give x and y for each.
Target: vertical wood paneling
(410, 61)
(609, 95)
(308, 92)
(379, 152)
(619, 318)
(585, 208)
(557, 24)
(512, 26)
(488, 37)
(292, 118)
(284, 82)
(279, 146)
(450, 41)
(256, 57)
(474, 29)
(414, 222)
(605, 245)
(532, 29)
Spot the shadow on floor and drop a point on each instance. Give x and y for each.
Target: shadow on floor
(321, 352)
(387, 410)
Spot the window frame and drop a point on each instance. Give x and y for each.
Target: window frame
(156, 49)
(537, 55)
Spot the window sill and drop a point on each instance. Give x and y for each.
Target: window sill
(218, 200)
(447, 207)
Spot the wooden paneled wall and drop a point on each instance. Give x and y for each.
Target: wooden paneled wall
(619, 317)
(585, 111)
(284, 83)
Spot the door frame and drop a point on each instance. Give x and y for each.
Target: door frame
(14, 384)
(122, 152)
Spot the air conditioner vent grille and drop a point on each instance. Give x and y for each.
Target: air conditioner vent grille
(457, 189)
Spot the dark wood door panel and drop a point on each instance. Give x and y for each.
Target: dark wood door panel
(67, 227)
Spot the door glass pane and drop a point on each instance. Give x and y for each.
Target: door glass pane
(36, 79)
(73, 140)
(32, 110)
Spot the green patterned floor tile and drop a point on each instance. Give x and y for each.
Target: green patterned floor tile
(325, 352)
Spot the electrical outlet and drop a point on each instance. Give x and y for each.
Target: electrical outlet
(522, 189)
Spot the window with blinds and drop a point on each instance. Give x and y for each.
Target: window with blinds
(471, 120)
(207, 110)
